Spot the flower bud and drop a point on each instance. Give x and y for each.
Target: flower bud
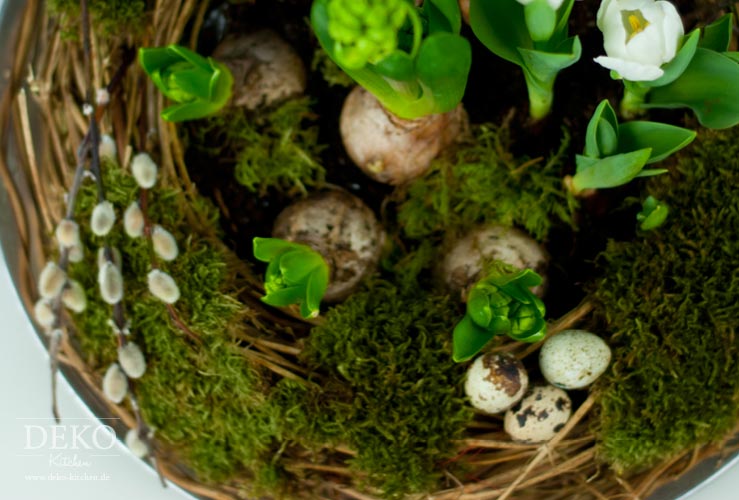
(108, 150)
(51, 281)
(44, 313)
(163, 287)
(133, 220)
(102, 259)
(132, 360)
(74, 297)
(111, 283)
(76, 253)
(68, 233)
(164, 243)
(115, 384)
(103, 218)
(137, 445)
(144, 170)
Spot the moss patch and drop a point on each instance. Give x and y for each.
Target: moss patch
(484, 184)
(671, 303)
(276, 149)
(108, 17)
(405, 406)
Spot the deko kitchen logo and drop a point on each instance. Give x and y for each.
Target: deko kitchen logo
(70, 451)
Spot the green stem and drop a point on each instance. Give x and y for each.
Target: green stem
(633, 100)
(417, 30)
(541, 96)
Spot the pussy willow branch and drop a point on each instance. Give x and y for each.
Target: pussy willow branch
(119, 316)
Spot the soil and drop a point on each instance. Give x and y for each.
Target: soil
(495, 87)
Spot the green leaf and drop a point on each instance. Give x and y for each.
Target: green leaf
(316, 288)
(541, 20)
(612, 171)
(478, 307)
(544, 66)
(662, 138)
(563, 14)
(717, 36)
(534, 333)
(651, 172)
(154, 59)
(677, 66)
(296, 264)
(398, 66)
(708, 87)
(188, 55)
(268, 249)
(194, 81)
(500, 26)
(602, 134)
(469, 339)
(285, 296)
(653, 214)
(443, 15)
(442, 66)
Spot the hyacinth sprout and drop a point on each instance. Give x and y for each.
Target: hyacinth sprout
(661, 67)
(412, 59)
(296, 274)
(533, 35)
(199, 86)
(653, 214)
(502, 303)
(617, 153)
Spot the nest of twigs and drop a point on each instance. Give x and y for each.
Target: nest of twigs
(43, 128)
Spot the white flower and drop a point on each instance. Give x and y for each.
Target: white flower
(164, 243)
(163, 286)
(102, 219)
(144, 170)
(115, 384)
(639, 36)
(133, 220)
(554, 4)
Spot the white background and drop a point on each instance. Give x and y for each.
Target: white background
(25, 392)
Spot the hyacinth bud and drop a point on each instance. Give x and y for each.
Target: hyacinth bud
(144, 170)
(108, 150)
(115, 384)
(137, 445)
(163, 287)
(44, 313)
(111, 283)
(365, 32)
(51, 281)
(164, 243)
(76, 253)
(68, 233)
(74, 297)
(133, 220)
(103, 218)
(132, 360)
(102, 259)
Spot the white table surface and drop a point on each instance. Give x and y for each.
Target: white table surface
(26, 468)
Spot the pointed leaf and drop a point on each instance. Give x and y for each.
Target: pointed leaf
(602, 128)
(397, 66)
(501, 27)
(156, 58)
(443, 15)
(478, 307)
(664, 139)
(316, 289)
(296, 264)
(677, 66)
(544, 66)
(285, 296)
(708, 87)
(611, 171)
(268, 249)
(194, 81)
(469, 339)
(717, 36)
(651, 172)
(442, 66)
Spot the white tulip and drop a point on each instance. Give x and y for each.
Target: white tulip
(639, 36)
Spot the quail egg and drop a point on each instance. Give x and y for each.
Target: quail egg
(539, 416)
(495, 382)
(574, 359)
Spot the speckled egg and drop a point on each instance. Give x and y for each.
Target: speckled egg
(539, 416)
(573, 359)
(495, 382)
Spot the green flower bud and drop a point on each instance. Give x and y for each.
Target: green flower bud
(365, 31)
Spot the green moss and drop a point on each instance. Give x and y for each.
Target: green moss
(332, 74)
(275, 149)
(483, 184)
(671, 302)
(205, 400)
(108, 17)
(393, 350)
